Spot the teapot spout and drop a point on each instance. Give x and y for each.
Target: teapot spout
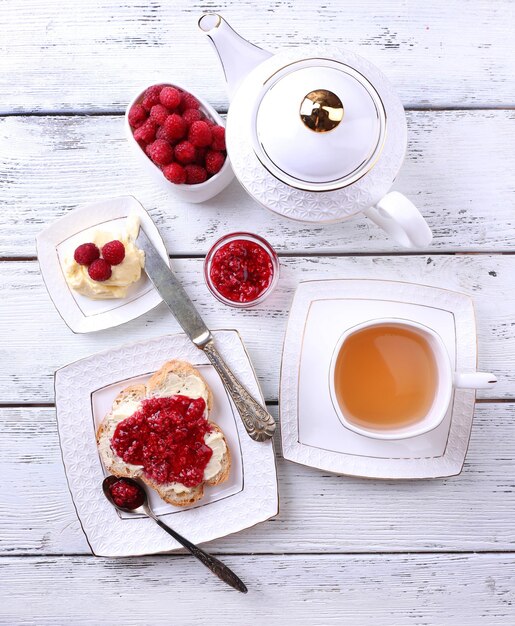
(237, 55)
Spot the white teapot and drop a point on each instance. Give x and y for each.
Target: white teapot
(317, 135)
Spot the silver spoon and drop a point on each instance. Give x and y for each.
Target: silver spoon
(216, 566)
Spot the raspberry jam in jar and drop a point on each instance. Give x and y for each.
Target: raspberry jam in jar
(241, 269)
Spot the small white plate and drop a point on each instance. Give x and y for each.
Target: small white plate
(81, 314)
(84, 392)
(312, 434)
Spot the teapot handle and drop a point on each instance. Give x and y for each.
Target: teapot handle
(401, 219)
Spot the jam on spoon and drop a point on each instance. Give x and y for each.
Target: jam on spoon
(126, 495)
(129, 495)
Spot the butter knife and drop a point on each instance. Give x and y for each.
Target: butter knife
(259, 424)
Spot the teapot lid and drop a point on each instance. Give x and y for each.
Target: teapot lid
(319, 124)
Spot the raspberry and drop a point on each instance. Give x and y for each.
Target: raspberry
(161, 152)
(146, 133)
(114, 252)
(159, 113)
(151, 97)
(192, 115)
(218, 142)
(214, 161)
(188, 102)
(137, 115)
(195, 174)
(175, 126)
(184, 152)
(162, 134)
(86, 254)
(175, 173)
(200, 156)
(170, 97)
(100, 270)
(200, 134)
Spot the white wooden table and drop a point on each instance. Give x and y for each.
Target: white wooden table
(342, 550)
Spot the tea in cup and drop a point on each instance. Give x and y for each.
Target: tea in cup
(392, 379)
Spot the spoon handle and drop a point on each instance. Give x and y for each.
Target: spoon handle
(216, 566)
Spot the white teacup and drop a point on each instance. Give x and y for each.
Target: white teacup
(446, 380)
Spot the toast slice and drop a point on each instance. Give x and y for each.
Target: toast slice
(173, 378)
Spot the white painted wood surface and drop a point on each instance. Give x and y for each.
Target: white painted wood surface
(459, 171)
(319, 512)
(490, 279)
(93, 56)
(392, 590)
(342, 550)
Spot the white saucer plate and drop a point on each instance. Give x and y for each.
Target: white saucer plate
(84, 393)
(312, 434)
(59, 240)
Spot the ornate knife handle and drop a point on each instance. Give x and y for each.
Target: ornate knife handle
(259, 423)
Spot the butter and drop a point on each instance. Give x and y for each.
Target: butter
(216, 442)
(122, 411)
(123, 275)
(191, 386)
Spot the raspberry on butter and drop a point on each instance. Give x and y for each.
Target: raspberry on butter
(161, 152)
(100, 270)
(175, 173)
(184, 152)
(200, 134)
(113, 252)
(195, 174)
(86, 253)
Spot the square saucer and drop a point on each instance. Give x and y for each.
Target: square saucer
(312, 433)
(59, 240)
(84, 392)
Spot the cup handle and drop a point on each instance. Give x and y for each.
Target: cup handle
(474, 380)
(401, 219)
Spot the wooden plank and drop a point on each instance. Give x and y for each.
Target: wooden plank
(96, 55)
(387, 590)
(34, 340)
(459, 172)
(319, 512)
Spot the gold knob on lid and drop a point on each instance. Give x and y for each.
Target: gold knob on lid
(321, 110)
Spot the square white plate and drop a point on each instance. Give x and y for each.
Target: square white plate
(60, 239)
(84, 392)
(312, 434)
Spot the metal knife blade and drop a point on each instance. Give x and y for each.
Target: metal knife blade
(173, 293)
(259, 424)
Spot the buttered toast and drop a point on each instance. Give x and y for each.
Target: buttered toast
(163, 428)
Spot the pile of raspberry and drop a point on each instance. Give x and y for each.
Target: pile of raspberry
(99, 267)
(177, 136)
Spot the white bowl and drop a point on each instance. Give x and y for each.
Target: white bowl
(190, 193)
